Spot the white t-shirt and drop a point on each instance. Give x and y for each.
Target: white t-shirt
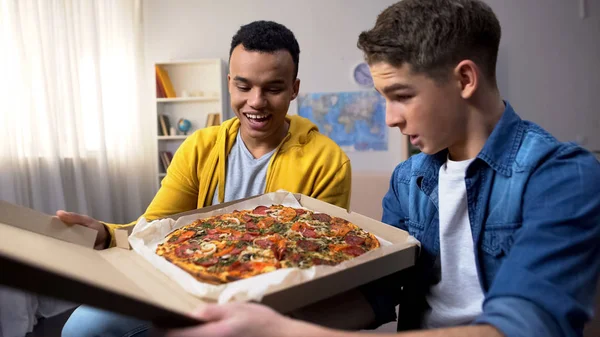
(457, 299)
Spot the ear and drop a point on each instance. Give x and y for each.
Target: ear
(229, 83)
(296, 89)
(467, 73)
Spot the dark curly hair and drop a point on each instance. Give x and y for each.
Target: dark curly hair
(433, 35)
(267, 37)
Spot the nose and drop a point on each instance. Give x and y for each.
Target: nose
(257, 100)
(394, 116)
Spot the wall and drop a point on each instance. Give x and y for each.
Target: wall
(327, 32)
(549, 65)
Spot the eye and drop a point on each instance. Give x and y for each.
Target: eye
(244, 89)
(274, 90)
(402, 98)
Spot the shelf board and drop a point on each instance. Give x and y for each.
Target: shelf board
(178, 137)
(187, 99)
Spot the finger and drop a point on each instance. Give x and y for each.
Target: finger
(210, 312)
(73, 218)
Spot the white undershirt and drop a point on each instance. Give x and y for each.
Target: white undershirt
(457, 298)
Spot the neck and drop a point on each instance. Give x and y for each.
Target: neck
(260, 147)
(483, 115)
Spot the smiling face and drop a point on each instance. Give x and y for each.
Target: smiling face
(261, 86)
(432, 113)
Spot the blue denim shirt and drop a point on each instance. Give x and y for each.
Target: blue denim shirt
(534, 209)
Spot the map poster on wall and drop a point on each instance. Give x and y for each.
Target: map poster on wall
(354, 120)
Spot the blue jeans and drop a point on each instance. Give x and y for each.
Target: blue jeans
(90, 322)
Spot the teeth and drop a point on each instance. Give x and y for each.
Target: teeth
(251, 116)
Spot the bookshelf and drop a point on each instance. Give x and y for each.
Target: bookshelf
(189, 89)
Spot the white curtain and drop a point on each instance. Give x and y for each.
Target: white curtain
(75, 126)
(75, 129)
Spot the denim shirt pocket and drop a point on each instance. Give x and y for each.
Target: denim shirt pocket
(498, 238)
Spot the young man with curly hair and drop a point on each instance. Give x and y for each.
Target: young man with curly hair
(260, 150)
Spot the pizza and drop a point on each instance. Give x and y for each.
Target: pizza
(242, 244)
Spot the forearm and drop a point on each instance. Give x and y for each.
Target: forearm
(304, 330)
(461, 331)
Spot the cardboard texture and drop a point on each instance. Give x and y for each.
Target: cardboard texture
(28, 219)
(120, 280)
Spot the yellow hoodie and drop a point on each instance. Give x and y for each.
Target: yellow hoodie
(305, 162)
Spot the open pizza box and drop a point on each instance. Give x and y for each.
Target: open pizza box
(39, 253)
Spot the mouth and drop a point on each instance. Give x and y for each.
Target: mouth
(414, 139)
(257, 120)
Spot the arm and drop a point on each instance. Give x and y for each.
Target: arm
(179, 188)
(253, 320)
(546, 284)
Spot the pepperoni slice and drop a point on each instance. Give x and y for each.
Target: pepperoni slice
(236, 251)
(339, 222)
(251, 226)
(317, 262)
(354, 240)
(300, 211)
(247, 218)
(263, 243)
(212, 237)
(308, 245)
(186, 250)
(207, 263)
(308, 233)
(354, 250)
(212, 231)
(249, 236)
(261, 210)
(321, 217)
(238, 267)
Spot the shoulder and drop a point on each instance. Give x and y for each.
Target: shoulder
(540, 149)
(316, 145)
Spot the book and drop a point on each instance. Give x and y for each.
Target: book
(160, 89)
(168, 125)
(163, 125)
(160, 131)
(163, 160)
(163, 77)
(213, 119)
